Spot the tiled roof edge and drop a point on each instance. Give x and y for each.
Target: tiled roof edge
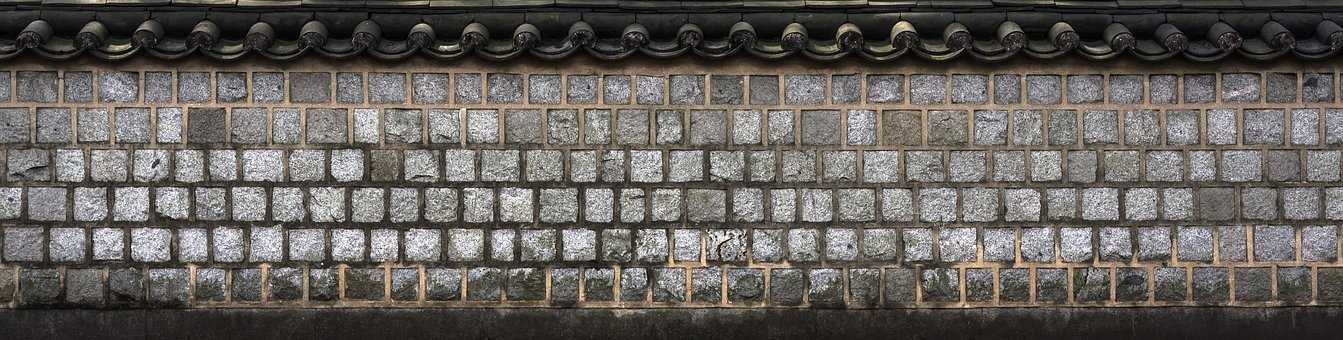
(283, 34)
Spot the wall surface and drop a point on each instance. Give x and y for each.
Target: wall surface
(669, 184)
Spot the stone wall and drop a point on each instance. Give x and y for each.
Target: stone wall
(682, 183)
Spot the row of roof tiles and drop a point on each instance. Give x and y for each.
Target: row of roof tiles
(712, 4)
(287, 34)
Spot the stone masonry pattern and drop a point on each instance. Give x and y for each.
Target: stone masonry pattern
(756, 187)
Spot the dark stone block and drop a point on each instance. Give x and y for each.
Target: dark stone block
(1051, 285)
(820, 127)
(900, 127)
(706, 285)
(309, 87)
(484, 284)
(1091, 284)
(1130, 284)
(40, 286)
(249, 125)
(246, 284)
(327, 126)
(1211, 285)
(1217, 204)
(599, 284)
(941, 285)
(1253, 284)
(948, 127)
(764, 90)
(1014, 284)
(169, 287)
(745, 285)
(364, 283)
(708, 127)
(125, 286)
(206, 125)
(84, 287)
(1281, 88)
(846, 88)
(786, 287)
(285, 283)
(405, 284)
(522, 126)
(324, 284)
(979, 284)
(901, 285)
(210, 284)
(37, 87)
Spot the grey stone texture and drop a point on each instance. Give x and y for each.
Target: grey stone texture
(684, 188)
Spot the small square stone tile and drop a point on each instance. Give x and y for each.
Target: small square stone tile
(582, 89)
(616, 89)
(309, 87)
(430, 88)
(804, 89)
(650, 90)
(78, 86)
(350, 87)
(885, 88)
(1086, 88)
(727, 89)
(1241, 87)
(386, 88)
(467, 88)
